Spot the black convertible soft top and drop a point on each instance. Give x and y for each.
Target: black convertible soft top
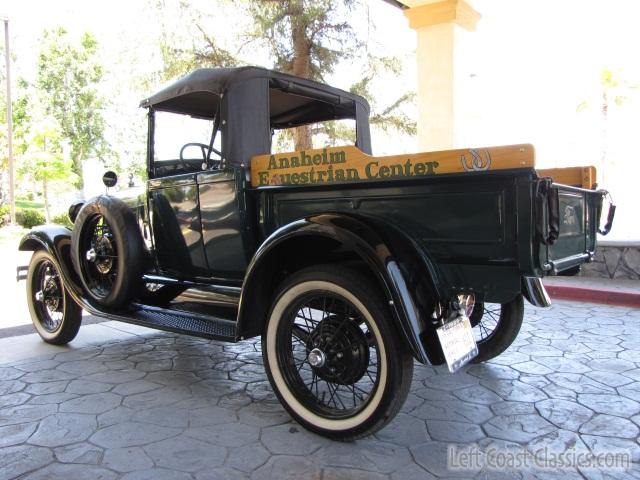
(254, 99)
(199, 93)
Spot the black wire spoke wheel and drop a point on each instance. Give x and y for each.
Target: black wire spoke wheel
(99, 257)
(329, 355)
(48, 296)
(55, 315)
(485, 320)
(496, 326)
(333, 354)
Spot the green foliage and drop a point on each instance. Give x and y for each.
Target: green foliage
(311, 38)
(20, 109)
(184, 51)
(67, 78)
(613, 86)
(180, 61)
(306, 37)
(43, 160)
(4, 215)
(391, 117)
(62, 219)
(22, 116)
(30, 218)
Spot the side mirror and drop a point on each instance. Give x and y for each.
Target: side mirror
(109, 179)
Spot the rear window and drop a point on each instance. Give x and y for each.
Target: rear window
(323, 134)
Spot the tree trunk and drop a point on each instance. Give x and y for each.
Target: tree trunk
(301, 65)
(45, 194)
(77, 169)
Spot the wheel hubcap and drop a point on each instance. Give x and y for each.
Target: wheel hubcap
(339, 349)
(91, 255)
(104, 252)
(317, 358)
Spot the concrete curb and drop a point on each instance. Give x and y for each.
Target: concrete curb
(620, 298)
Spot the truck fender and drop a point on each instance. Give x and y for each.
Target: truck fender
(56, 240)
(404, 290)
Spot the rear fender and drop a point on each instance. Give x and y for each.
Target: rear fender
(408, 278)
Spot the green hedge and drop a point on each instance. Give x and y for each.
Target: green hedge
(4, 214)
(62, 219)
(29, 218)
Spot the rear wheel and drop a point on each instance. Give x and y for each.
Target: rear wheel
(55, 315)
(332, 354)
(495, 327)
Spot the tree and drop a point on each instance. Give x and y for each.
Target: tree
(43, 160)
(310, 38)
(307, 38)
(67, 79)
(183, 51)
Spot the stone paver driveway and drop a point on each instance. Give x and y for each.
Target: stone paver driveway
(160, 406)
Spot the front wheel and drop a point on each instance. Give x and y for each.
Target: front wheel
(55, 315)
(495, 327)
(333, 355)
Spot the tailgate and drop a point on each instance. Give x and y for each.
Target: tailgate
(568, 220)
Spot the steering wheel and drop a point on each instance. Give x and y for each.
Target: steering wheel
(204, 148)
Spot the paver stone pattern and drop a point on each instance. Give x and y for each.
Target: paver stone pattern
(164, 406)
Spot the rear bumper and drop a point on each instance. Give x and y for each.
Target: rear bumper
(556, 266)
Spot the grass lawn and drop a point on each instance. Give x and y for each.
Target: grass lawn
(29, 205)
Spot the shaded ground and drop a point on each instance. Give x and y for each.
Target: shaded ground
(148, 405)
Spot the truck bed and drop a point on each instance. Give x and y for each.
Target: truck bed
(484, 228)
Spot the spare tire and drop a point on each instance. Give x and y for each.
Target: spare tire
(107, 251)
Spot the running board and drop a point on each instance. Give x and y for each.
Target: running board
(176, 321)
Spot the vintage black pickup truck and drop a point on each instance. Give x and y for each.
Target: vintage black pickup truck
(349, 266)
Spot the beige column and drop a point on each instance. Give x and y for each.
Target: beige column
(440, 26)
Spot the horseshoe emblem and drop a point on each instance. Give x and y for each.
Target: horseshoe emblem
(478, 164)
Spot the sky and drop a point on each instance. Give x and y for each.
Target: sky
(526, 69)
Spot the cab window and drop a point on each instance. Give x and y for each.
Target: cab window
(181, 144)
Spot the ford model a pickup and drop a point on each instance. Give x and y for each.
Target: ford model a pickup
(349, 266)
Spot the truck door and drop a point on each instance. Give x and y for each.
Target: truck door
(221, 209)
(175, 220)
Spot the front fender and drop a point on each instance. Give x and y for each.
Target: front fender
(56, 240)
(408, 278)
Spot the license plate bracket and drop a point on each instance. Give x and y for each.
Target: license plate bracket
(457, 342)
